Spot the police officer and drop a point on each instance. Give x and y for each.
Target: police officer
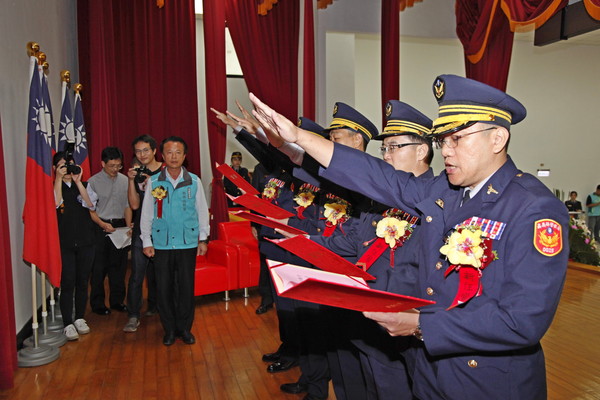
(493, 251)
(407, 147)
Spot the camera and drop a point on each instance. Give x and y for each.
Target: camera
(72, 168)
(139, 178)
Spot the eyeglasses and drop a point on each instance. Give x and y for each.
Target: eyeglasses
(143, 151)
(391, 147)
(452, 140)
(115, 166)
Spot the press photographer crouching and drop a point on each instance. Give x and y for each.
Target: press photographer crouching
(76, 233)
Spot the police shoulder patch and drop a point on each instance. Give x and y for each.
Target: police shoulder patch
(547, 237)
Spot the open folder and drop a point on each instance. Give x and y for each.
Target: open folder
(321, 257)
(236, 178)
(261, 206)
(267, 222)
(336, 290)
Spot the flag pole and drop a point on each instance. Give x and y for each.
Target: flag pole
(56, 339)
(38, 354)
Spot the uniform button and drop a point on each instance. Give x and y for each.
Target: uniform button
(472, 363)
(429, 218)
(318, 229)
(429, 291)
(374, 223)
(438, 265)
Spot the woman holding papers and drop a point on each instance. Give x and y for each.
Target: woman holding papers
(76, 233)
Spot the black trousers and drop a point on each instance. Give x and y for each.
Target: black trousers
(112, 262)
(175, 288)
(77, 264)
(141, 266)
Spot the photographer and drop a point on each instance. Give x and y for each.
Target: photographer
(144, 148)
(76, 233)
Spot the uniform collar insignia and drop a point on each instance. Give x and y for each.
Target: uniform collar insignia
(491, 189)
(440, 203)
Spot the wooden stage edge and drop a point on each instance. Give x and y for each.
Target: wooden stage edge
(584, 267)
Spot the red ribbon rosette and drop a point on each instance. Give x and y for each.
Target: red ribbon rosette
(469, 252)
(159, 193)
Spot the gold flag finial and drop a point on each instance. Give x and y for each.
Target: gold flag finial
(65, 76)
(41, 57)
(78, 88)
(32, 48)
(46, 67)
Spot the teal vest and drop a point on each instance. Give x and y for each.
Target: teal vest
(594, 211)
(177, 228)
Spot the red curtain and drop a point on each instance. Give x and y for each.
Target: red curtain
(267, 48)
(535, 13)
(487, 41)
(216, 97)
(137, 64)
(309, 103)
(390, 52)
(485, 28)
(8, 337)
(593, 8)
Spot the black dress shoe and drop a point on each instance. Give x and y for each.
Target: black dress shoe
(169, 338)
(119, 307)
(101, 311)
(263, 308)
(187, 337)
(271, 357)
(294, 388)
(280, 366)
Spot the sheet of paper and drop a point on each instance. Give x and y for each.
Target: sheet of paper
(120, 237)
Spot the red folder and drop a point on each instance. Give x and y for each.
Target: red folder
(321, 257)
(268, 222)
(261, 206)
(336, 290)
(236, 178)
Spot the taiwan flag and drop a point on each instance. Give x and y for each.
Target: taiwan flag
(81, 146)
(41, 245)
(65, 130)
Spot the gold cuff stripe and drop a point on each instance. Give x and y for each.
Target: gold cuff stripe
(471, 109)
(341, 122)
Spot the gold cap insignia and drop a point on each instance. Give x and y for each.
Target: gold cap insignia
(388, 110)
(299, 122)
(335, 109)
(440, 203)
(439, 88)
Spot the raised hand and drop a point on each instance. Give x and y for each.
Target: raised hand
(247, 116)
(224, 118)
(271, 120)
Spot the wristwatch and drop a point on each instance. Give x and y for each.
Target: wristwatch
(417, 333)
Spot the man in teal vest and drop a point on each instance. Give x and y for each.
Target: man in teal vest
(175, 227)
(593, 205)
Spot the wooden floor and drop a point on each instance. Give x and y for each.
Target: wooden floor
(225, 363)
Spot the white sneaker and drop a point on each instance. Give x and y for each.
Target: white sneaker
(70, 332)
(131, 325)
(81, 326)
